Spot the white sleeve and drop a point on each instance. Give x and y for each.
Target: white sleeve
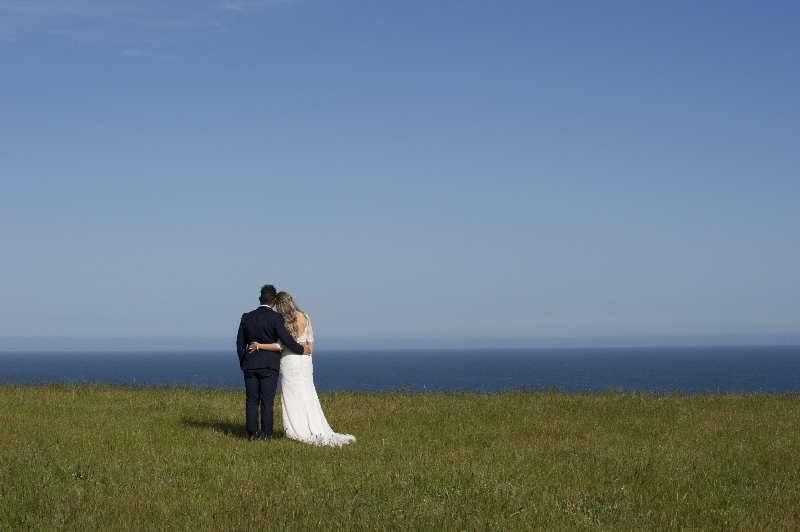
(310, 335)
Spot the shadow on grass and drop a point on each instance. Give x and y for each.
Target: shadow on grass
(234, 430)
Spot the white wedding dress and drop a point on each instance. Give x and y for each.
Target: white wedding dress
(302, 415)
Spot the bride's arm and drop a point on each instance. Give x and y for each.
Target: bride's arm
(269, 347)
(255, 346)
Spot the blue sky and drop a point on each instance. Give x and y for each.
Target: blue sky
(416, 173)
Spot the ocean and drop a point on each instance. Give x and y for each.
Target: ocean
(691, 370)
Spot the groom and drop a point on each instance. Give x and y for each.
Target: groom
(261, 368)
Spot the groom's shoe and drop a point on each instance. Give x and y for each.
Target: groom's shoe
(265, 438)
(252, 437)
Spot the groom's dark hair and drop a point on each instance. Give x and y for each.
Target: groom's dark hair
(268, 294)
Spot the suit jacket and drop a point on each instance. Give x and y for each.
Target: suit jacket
(265, 326)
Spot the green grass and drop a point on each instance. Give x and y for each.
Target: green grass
(87, 457)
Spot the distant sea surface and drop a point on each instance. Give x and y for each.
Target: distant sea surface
(661, 369)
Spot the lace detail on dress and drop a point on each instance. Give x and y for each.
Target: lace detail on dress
(332, 440)
(308, 332)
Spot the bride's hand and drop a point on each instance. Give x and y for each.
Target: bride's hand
(253, 347)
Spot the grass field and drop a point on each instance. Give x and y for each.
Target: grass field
(88, 457)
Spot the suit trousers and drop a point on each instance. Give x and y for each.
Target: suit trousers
(260, 386)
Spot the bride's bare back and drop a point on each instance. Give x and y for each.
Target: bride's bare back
(302, 321)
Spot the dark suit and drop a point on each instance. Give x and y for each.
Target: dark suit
(261, 368)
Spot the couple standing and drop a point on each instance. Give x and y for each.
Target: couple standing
(273, 343)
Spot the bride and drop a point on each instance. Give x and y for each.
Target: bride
(302, 415)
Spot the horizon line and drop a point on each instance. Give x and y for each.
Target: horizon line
(195, 344)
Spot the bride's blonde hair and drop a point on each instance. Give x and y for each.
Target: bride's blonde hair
(287, 308)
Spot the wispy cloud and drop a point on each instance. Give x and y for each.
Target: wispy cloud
(233, 6)
(127, 20)
(146, 53)
(172, 23)
(251, 5)
(79, 17)
(51, 8)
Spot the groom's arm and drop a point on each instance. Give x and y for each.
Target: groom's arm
(241, 348)
(287, 339)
